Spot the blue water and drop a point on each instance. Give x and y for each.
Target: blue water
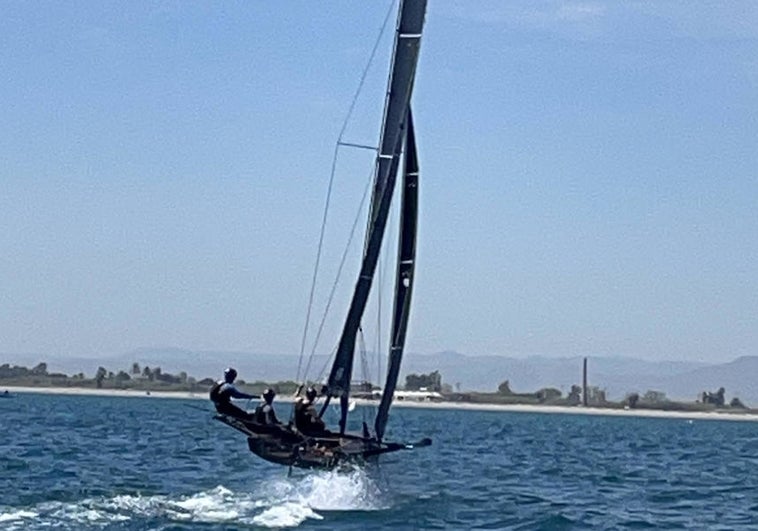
(76, 462)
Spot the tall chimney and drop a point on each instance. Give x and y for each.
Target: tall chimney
(584, 384)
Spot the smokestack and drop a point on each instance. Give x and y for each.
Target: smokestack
(584, 384)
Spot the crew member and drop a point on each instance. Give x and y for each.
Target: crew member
(222, 393)
(307, 420)
(264, 413)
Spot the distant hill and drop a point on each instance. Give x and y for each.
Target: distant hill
(619, 376)
(738, 377)
(197, 363)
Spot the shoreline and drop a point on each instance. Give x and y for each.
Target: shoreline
(123, 393)
(466, 406)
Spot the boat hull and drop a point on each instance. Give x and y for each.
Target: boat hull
(284, 446)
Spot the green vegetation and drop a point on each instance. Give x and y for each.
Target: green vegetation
(146, 379)
(596, 397)
(427, 382)
(137, 378)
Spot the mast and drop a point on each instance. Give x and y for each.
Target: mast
(410, 24)
(406, 260)
(403, 70)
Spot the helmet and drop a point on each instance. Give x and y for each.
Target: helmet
(229, 375)
(310, 394)
(268, 395)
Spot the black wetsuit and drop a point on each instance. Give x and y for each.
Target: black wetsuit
(264, 414)
(307, 420)
(221, 395)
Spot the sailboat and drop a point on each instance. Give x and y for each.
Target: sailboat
(285, 444)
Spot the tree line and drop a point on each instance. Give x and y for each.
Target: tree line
(147, 378)
(596, 396)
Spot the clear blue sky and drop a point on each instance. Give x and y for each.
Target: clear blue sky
(589, 187)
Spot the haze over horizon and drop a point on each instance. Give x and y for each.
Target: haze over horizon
(38, 356)
(589, 176)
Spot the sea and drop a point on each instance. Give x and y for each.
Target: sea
(95, 462)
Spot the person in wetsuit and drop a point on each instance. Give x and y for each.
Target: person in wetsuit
(222, 393)
(264, 413)
(307, 420)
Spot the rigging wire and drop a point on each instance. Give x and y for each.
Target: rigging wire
(383, 280)
(328, 362)
(383, 277)
(364, 363)
(337, 277)
(380, 292)
(329, 190)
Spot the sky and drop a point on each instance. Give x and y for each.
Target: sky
(589, 175)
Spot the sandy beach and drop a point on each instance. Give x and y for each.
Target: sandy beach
(514, 408)
(526, 408)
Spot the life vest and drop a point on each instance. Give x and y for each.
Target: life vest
(302, 418)
(263, 414)
(306, 418)
(219, 393)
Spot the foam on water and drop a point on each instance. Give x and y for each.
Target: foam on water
(287, 514)
(276, 503)
(15, 516)
(291, 501)
(352, 490)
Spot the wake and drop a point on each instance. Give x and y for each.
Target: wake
(271, 503)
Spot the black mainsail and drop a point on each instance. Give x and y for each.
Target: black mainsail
(406, 49)
(406, 261)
